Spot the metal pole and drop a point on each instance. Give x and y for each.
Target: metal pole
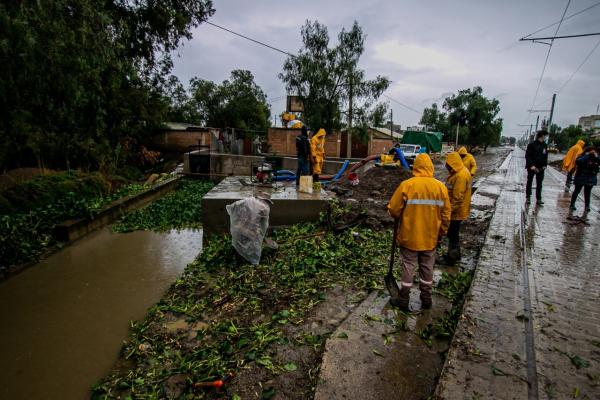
(537, 121)
(551, 111)
(456, 147)
(392, 124)
(349, 139)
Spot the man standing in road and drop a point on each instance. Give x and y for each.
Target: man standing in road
(569, 165)
(536, 161)
(421, 204)
(459, 184)
(303, 154)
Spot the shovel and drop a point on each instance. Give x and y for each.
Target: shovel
(390, 281)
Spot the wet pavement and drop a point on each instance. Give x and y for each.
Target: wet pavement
(531, 324)
(377, 353)
(63, 321)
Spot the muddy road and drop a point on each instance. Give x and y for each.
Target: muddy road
(62, 321)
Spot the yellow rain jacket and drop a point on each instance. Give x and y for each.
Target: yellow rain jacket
(459, 187)
(468, 160)
(575, 151)
(317, 150)
(423, 207)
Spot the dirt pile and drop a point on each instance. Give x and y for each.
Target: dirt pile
(368, 200)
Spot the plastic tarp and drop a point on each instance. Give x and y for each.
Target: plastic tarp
(432, 141)
(249, 221)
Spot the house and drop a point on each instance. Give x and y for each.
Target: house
(590, 124)
(379, 140)
(179, 136)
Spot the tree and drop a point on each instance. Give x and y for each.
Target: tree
(474, 113)
(78, 76)
(236, 103)
(434, 119)
(568, 136)
(327, 78)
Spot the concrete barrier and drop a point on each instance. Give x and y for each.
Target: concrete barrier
(74, 229)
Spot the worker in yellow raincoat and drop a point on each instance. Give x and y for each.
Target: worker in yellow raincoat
(423, 207)
(317, 153)
(459, 189)
(569, 162)
(468, 160)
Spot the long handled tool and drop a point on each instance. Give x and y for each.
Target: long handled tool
(390, 281)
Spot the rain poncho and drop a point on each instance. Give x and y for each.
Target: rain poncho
(459, 187)
(569, 162)
(423, 206)
(317, 150)
(468, 160)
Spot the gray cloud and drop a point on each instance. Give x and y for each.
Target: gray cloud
(428, 49)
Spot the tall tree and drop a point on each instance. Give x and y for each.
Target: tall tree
(476, 114)
(328, 78)
(235, 103)
(79, 75)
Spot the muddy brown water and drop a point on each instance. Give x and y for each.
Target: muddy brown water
(63, 321)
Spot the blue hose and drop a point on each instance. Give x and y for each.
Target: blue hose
(401, 157)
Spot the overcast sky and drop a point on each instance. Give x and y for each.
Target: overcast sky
(427, 48)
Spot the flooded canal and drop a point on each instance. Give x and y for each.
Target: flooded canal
(62, 322)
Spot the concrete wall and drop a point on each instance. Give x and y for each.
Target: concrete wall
(231, 164)
(181, 140)
(72, 230)
(282, 141)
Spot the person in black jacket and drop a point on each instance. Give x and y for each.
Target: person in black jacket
(588, 165)
(536, 161)
(303, 154)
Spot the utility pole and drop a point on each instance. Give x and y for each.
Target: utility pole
(392, 124)
(537, 121)
(456, 147)
(551, 112)
(349, 141)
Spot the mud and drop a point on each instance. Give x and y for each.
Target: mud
(62, 323)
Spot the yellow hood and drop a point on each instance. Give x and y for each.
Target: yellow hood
(462, 150)
(319, 134)
(580, 143)
(423, 167)
(454, 161)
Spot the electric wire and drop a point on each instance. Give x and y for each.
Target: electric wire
(537, 90)
(250, 39)
(566, 18)
(579, 67)
(402, 104)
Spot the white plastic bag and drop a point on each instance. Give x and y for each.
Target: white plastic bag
(249, 220)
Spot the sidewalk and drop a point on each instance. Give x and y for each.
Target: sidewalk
(531, 324)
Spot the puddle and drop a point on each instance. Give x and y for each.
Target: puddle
(62, 322)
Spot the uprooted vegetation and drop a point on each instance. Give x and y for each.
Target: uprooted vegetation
(224, 315)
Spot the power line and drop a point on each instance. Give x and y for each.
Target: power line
(402, 104)
(564, 19)
(250, 39)
(560, 37)
(537, 90)
(579, 67)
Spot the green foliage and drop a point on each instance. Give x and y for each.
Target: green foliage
(326, 77)
(455, 288)
(245, 308)
(32, 210)
(567, 137)
(79, 75)
(476, 114)
(177, 210)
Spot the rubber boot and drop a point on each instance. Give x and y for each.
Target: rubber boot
(452, 256)
(403, 300)
(426, 298)
(315, 178)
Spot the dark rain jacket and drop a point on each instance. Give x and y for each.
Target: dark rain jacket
(587, 170)
(536, 155)
(302, 146)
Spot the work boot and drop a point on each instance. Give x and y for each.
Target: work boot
(425, 301)
(539, 202)
(403, 300)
